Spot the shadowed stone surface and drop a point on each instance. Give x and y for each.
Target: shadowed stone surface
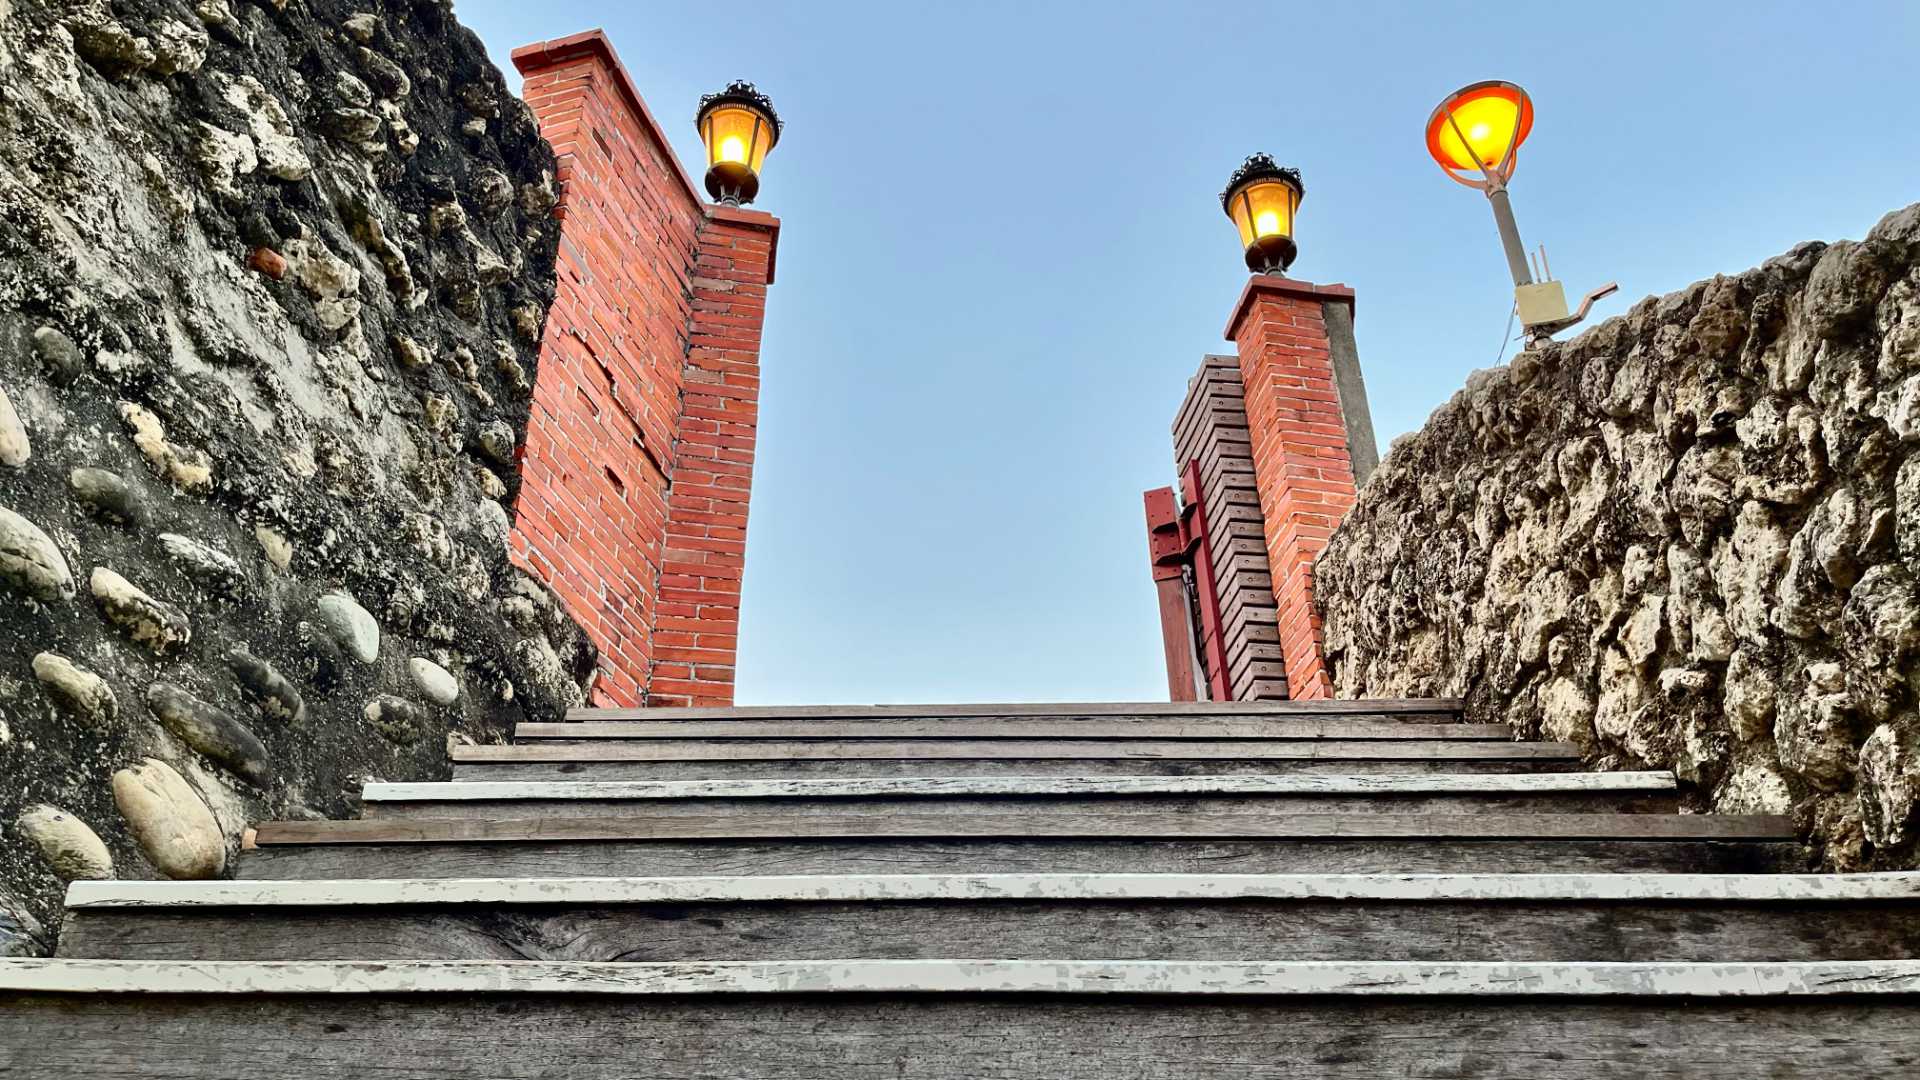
(214, 234)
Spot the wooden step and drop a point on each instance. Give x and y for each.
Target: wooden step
(1518, 917)
(1646, 792)
(849, 770)
(1281, 728)
(933, 749)
(637, 845)
(956, 1020)
(1417, 710)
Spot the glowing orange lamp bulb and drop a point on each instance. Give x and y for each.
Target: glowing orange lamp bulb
(1262, 199)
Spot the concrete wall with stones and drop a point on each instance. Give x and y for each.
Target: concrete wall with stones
(272, 276)
(1690, 537)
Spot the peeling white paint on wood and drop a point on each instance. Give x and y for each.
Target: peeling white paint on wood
(942, 977)
(1045, 749)
(837, 888)
(950, 786)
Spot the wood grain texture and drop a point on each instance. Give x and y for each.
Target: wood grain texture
(855, 826)
(616, 858)
(1073, 749)
(948, 786)
(1014, 928)
(796, 770)
(1788, 889)
(458, 1037)
(1048, 978)
(1435, 707)
(1025, 727)
(1571, 801)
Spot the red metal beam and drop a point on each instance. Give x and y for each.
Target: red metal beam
(1177, 544)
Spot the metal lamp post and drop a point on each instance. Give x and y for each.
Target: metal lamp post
(1262, 199)
(738, 126)
(1475, 136)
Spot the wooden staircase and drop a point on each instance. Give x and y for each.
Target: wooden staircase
(1342, 889)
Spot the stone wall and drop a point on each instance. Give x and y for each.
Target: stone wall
(1688, 538)
(272, 275)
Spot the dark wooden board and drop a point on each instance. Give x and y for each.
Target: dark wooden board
(1571, 802)
(1024, 749)
(545, 1037)
(936, 856)
(1343, 929)
(799, 770)
(857, 826)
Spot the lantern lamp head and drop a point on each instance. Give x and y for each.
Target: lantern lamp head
(1262, 199)
(738, 126)
(1475, 134)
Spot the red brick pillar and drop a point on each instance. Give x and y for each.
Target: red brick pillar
(639, 452)
(706, 546)
(1302, 460)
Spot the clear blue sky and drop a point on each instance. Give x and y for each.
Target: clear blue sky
(1002, 257)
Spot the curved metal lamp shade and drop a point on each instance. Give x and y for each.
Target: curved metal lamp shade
(1475, 134)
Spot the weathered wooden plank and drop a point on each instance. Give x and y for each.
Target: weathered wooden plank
(572, 924)
(1311, 784)
(710, 770)
(612, 858)
(1035, 825)
(1573, 801)
(1349, 707)
(1021, 727)
(423, 1036)
(1248, 978)
(1032, 749)
(1783, 889)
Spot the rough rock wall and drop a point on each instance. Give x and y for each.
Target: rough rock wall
(271, 277)
(1688, 538)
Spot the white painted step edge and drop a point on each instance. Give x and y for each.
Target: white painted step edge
(1570, 888)
(883, 787)
(1259, 978)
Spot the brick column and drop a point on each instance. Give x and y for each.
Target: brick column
(706, 546)
(1304, 447)
(639, 451)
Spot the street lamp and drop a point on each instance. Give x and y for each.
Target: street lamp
(739, 126)
(1262, 199)
(1475, 135)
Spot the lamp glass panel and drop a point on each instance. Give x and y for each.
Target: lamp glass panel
(1269, 206)
(1494, 120)
(737, 135)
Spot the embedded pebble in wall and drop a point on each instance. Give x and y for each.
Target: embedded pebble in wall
(108, 497)
(72, 849)
(435, 682)
(496, 441)
(323, 662)
(75, 690)
(170, 821)
(210, 730)
(361, 27)
(278, 549)
(15, 448)
(351, 626)
(214, 571)
(30, 561)
(187, 469)
(270, 690)
(154, 623)
(59, 355)
(397, 719)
